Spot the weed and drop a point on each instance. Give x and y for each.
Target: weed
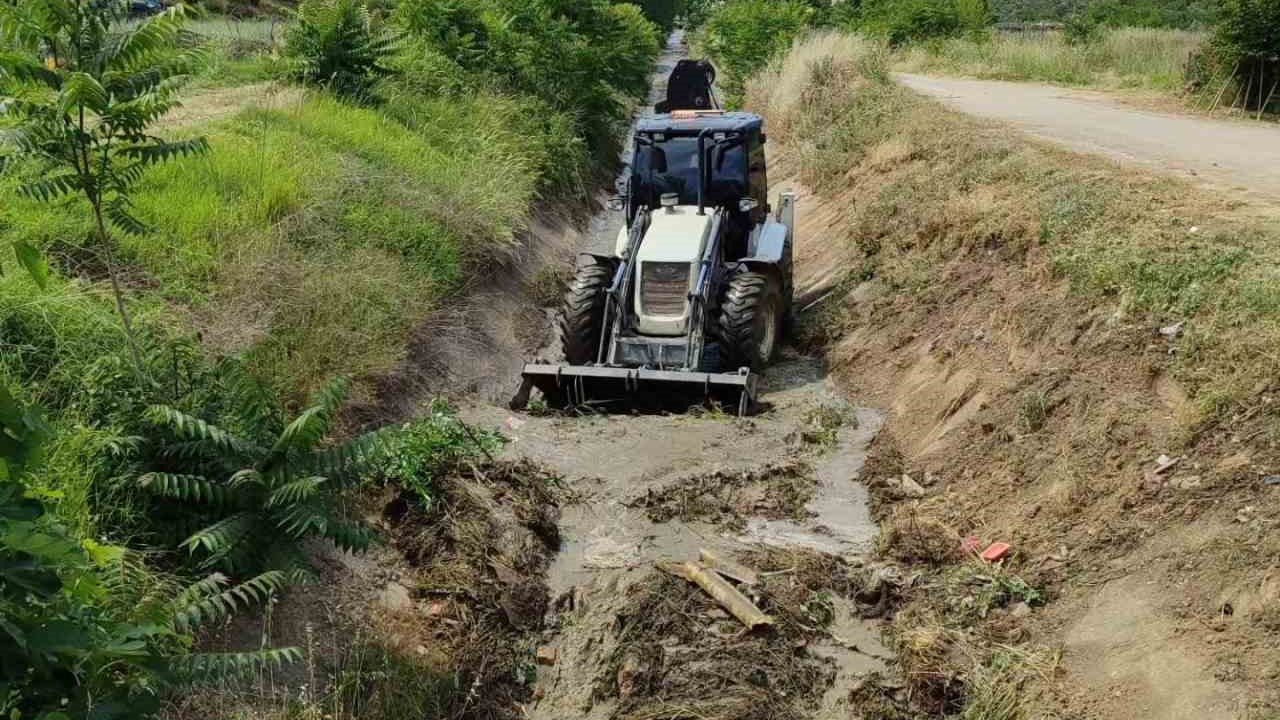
(1033, 412)
(821, 425)
(433, 445)
(549, 285)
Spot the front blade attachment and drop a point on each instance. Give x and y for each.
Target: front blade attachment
(570, 386)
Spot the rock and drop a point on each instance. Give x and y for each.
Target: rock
(1271, 481)
(1174, 330)
(547, 655)
(1020, 610)
(1164, 464)
(911, 488)
(395, 597)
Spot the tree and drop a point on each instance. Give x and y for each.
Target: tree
(336, 45)
(84, 88)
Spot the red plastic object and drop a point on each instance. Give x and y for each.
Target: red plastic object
(971, 544)
(996, 551)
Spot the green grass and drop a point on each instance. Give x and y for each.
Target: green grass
(1136, 58)
(314, 237)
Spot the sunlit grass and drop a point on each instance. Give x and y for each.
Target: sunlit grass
(1123, 58)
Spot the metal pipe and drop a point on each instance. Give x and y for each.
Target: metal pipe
(702, 171)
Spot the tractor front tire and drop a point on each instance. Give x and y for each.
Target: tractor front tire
(751, 320)
(583, 313)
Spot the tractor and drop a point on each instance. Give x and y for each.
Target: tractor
(696, 294)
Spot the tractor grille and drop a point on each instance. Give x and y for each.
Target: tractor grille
(664, 288)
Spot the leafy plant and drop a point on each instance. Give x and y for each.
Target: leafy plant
(335, 44)
(745, 35)
(86, 630)
(86, 87)
(430, 446)
(255, 488)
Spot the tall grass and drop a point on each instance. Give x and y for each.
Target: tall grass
(1138, 58)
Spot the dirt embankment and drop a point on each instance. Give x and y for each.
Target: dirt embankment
(1077, 422)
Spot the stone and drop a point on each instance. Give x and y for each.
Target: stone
(395, 597)
(911, 488)
(1020, 610)
(547, 655)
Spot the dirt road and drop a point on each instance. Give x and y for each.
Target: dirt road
(1241, 157)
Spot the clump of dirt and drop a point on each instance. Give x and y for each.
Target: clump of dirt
(680, 655)
(728, 497)
(480, 556)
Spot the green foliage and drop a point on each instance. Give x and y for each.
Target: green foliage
(86, 89)
(258, 487)
(744, 36)
(903, 21)
(86, 630)
(432, 445)
(1248, 40)
(662, 13)
(583, 57)
(335, 44)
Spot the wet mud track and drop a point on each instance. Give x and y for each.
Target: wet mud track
(779, 492)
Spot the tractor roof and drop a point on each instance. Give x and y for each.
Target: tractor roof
(695, 122)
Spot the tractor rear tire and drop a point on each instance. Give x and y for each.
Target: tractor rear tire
(583, 313)
(751, 320)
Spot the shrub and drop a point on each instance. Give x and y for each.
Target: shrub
(903, 21)
(745, 35)
(86, 630)
(1248, 39)
(257, 488)
(334, 44)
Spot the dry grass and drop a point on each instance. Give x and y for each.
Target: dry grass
(909, 535)
(1123, 58)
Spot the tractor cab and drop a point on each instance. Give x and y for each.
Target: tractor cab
(702, 159)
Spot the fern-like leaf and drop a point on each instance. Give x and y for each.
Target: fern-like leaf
(296, 491)
(300, 521)
(159, 151)
(352, 537)
(194, 429)
(354, 457)
(221, 538)
(209, 667)
(189, 488)
(213, 601)
(53, 188)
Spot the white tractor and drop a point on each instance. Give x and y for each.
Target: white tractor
(697, 293)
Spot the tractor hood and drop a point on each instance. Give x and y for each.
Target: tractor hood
(669, 255)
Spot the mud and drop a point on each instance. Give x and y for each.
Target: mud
(649, 488)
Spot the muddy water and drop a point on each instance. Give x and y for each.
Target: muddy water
(609, 543)
(608, 462)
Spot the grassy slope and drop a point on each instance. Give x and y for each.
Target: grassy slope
(1010, 323)
(1129, 58)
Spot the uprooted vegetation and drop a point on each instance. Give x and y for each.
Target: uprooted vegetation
(679, 654)
(729, 498)
(1076, 358)
(479, 559)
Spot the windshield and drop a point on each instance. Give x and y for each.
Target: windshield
(671, 166)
